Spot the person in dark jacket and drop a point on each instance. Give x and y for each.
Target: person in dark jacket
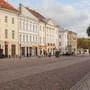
(30, 54)
(27, 55)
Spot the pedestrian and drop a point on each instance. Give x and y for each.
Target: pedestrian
(30, 54)
(27, 55)
(44, 54)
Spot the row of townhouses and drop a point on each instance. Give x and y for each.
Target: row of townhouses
(67, 41)
(25, 31)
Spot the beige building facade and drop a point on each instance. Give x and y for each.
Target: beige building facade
(8, 29)
(72, 42)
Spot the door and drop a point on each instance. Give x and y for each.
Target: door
(6, 50)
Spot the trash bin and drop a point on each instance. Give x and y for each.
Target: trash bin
(57, 54)
(9, 56)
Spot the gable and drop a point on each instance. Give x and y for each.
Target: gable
(51, 22)
(25, 12)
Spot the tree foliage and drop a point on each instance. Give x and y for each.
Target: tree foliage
(88, 31)
(83, 43)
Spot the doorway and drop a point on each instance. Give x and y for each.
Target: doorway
(6, 50)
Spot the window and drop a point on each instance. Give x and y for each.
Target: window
(56, 31)
(23, 25)
(27, 38)
(59, 43)
(27, 26)
(30, 26)
(40, 40)
(20, 24)
(6, 33)
(12, 20)
(36, 39)
(30, 38)
(56, 41)
(59, 36)
(43, 40)
(13, 34)
(43, 29)
(33, 27)
(20, 37)
(23, 37)
(33, 39)
(40, 28)
(36, 28)
(6, 19)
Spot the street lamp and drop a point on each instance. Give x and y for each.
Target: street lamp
(20, 51)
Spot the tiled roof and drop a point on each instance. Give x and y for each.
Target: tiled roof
(4, 4)
(36, 14)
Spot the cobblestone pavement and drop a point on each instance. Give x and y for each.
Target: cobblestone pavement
(42, 73)
(83, 84)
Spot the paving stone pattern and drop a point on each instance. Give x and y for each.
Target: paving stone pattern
(43, 74)
(83, 84)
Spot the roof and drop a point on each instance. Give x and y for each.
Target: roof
(62, 30)
(4, 4)
(36, 14)
(46, 20)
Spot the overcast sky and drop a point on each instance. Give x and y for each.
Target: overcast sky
(73, 15)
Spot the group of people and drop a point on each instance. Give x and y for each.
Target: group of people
(28, 55)
(44, 54)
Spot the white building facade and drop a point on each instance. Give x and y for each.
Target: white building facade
(63, 40)
(51, 36)
(28, 32)
(37, 35)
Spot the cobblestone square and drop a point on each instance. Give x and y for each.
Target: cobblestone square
(43, 73)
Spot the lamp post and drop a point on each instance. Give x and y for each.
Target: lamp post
(20, 51)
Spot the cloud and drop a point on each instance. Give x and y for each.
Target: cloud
(74, 17)
(66, 16)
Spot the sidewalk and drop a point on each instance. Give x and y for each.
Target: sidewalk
(83, 84)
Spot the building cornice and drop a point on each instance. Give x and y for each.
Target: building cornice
(26, 17)
(7, 10)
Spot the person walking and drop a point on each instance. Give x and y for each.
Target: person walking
(44, 54)
(30, 54)
(27, 55)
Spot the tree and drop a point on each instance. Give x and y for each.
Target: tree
(88, 31)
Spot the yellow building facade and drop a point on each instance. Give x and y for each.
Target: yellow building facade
(8, 30)
(72, 42)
